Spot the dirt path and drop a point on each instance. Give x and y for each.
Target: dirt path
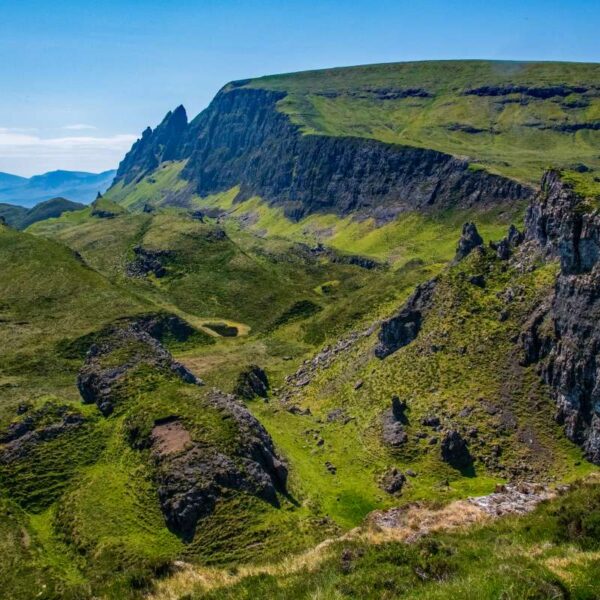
(402, 524)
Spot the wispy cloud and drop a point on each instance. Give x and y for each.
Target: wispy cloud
(28, 153)
(79, 127)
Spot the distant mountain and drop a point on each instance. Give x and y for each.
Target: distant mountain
(8, 180)
(19, 217)
(77, 186)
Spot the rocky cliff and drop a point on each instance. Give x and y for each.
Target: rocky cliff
(242, 139)
(563, 336)
(163, 143)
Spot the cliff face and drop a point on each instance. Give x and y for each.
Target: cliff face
(155, 146)
(565, 333)
(241, 139)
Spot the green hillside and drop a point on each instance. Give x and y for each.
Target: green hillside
(21, 218)
(127, 472)
(528, 106)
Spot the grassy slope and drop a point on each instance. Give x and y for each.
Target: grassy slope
(508, 405)
(513, 126)
(253, 277)
(112, 506)
(551, 553)
(237, 277)
(47, 294)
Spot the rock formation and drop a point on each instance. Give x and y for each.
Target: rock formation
(564, 333)
(469, 240)
(234, 142)
(190, 481)
(99, 378)
(252, 382)
(454, 450)
(403, 328)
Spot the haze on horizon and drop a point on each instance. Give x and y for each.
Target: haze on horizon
(81, 82)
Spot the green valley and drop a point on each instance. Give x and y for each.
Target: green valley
(333, 338)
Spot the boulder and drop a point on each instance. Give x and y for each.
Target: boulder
(455, 451)
(252, 382)
(393, 481)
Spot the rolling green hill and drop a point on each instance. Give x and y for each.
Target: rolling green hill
(20, 218)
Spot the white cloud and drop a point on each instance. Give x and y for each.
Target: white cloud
(26, 153)
(79, 127)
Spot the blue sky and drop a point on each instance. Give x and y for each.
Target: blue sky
(81, 79)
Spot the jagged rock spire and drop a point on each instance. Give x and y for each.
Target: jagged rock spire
(469, 240)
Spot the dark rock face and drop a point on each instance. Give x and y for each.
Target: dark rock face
(241, 139)
(403, 328)
(155, 146)
(191, 481)
(564, 332)
(542, 92)
(98, 382)
(252, 382)
(454, 450)
(147, 262)
(469, 240)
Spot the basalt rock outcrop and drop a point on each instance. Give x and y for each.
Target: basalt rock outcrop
(100, 378)
(252, 382)
(147, 262)
(242, 139)
(163, 143)
(401, 329)
(193, 467)
(469, 240)
(563, 334)
(506, 246)
(455, 451)
(192, 477)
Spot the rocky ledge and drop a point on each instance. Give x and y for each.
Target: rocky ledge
(193, 469)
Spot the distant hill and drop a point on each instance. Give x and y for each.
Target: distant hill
(20, 217)
(77, 186)
(8, 180)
